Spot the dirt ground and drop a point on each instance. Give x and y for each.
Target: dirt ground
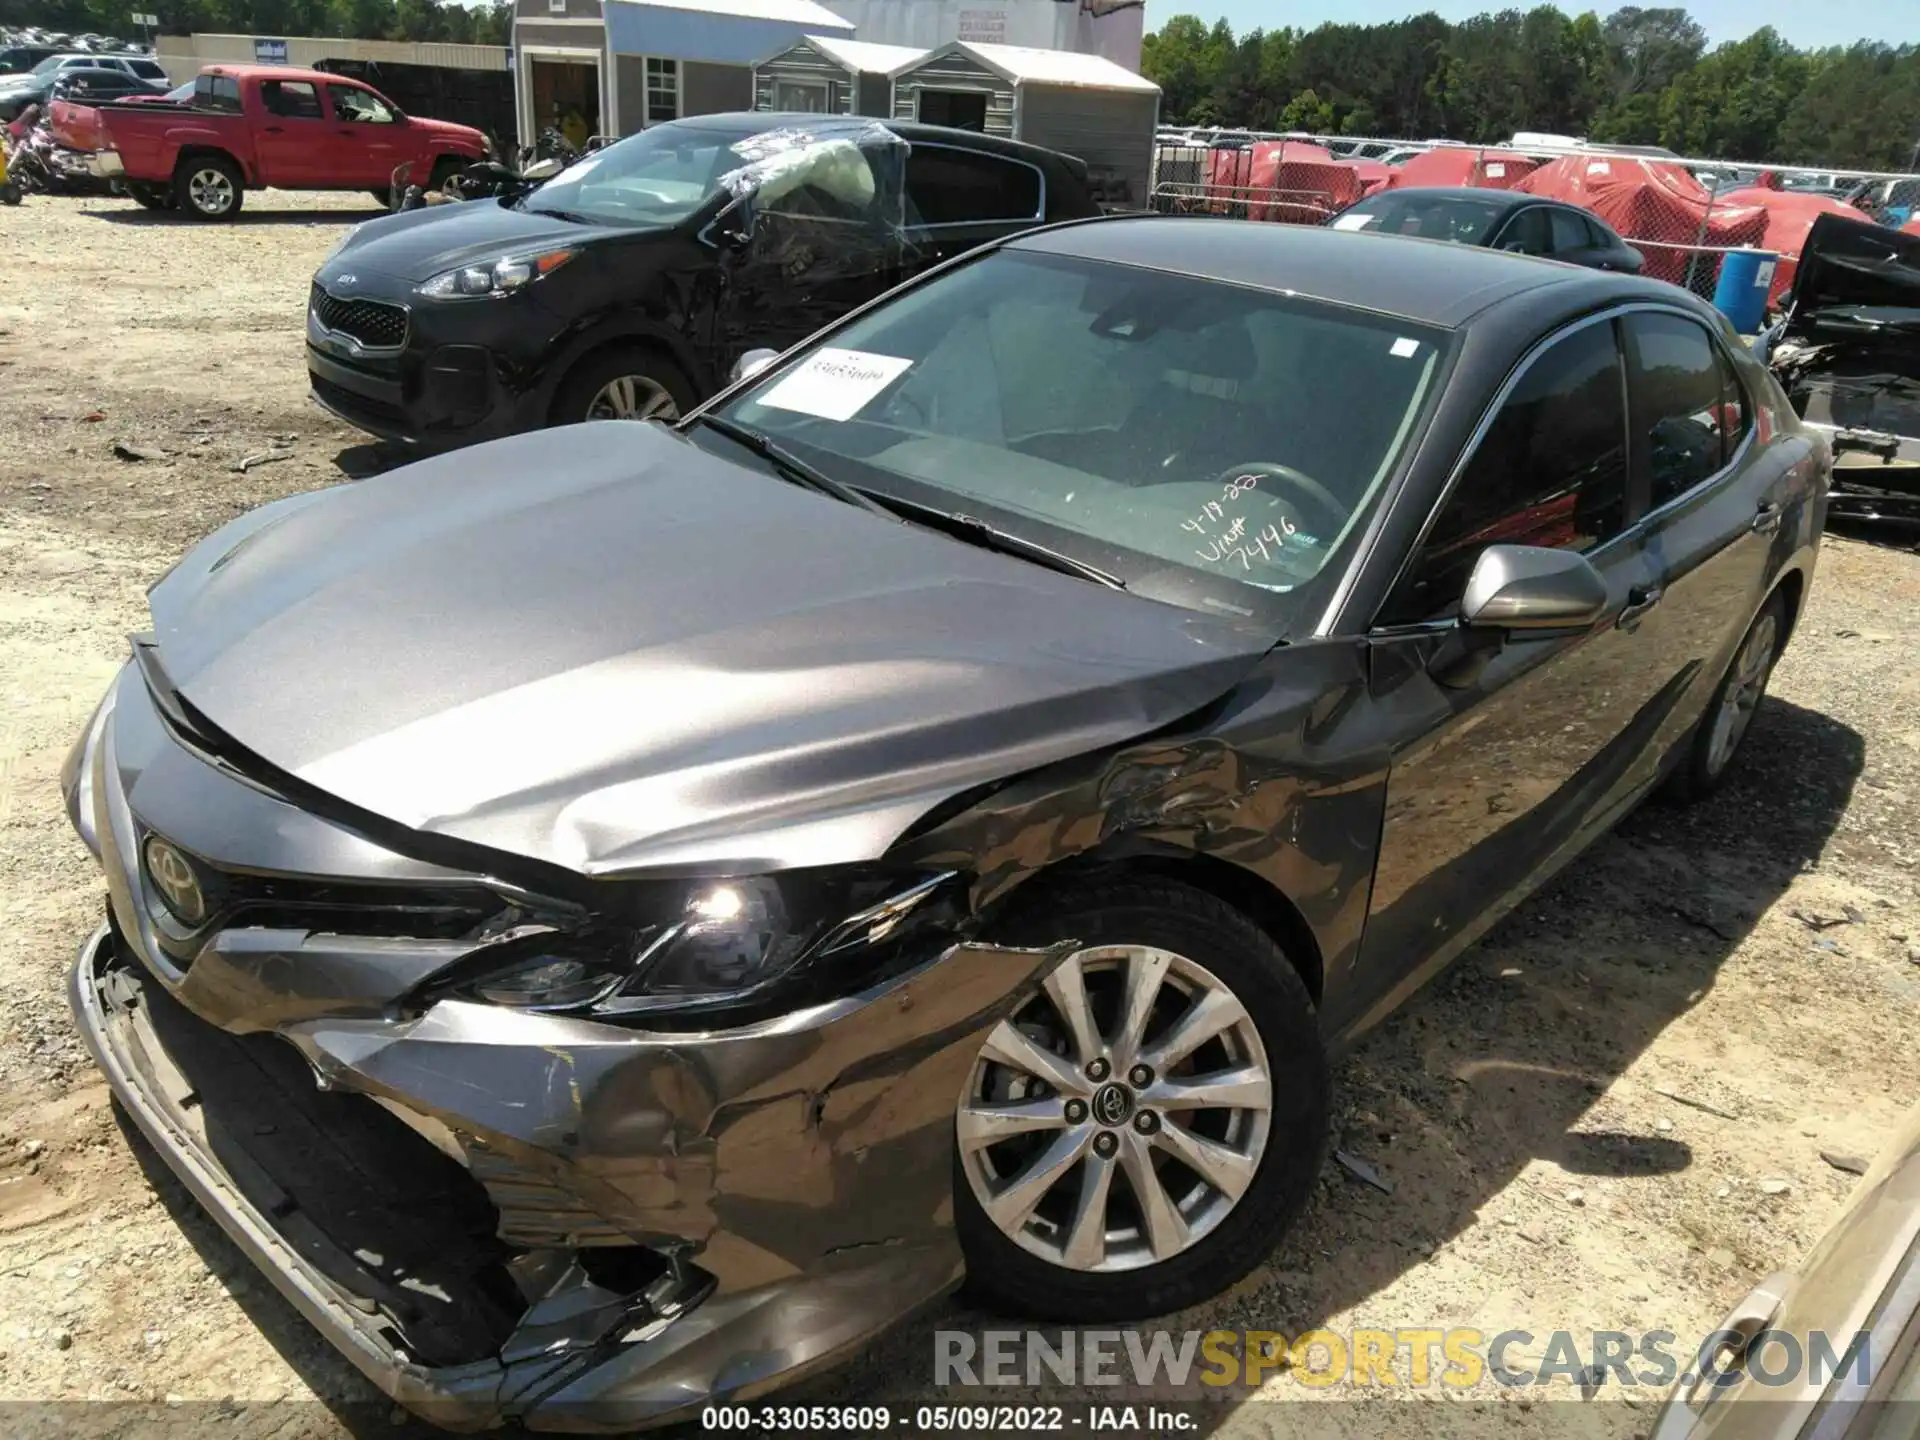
(1610, 1116)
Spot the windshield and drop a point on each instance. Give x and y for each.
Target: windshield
(1209, 445)
(658, 177)
(1458, 218)
(50, 64)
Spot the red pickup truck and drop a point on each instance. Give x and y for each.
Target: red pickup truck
(250, 126)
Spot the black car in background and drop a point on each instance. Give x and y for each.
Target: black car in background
(630, 285)
(1497, 219)
(93, 87)
(18, 59)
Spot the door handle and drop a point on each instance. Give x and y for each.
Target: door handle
(272, 129)
(1640, 599)
(1767, 520)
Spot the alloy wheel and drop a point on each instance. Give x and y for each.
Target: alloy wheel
(212, 191)
(1745, 687)
(1117, 1118)
(632, 397)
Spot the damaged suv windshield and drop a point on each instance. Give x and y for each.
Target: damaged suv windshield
(1202, 443)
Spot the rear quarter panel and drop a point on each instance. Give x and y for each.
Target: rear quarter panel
(150, 140)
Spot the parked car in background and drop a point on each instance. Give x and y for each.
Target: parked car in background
(1847, 352)
(35, 86)
(257, 125)
(1855, 1298)
(17, 59)
(627, 286)
(95, 86)
(1497, 219)
(1891, 202)
(941, 803)
(1400, 154)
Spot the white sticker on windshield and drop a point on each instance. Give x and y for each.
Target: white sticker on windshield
(1497, 170)
(1599, 167)
(835, 384)
(1403, 347)
(1350, 221)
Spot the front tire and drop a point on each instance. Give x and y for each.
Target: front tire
(1137, 1136)
(209, 187)
(624, 383)
(1729, 714)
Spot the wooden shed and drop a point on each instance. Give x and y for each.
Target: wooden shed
(825, 75)
(1081, 105)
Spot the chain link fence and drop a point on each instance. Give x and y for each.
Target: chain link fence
(1682, 214)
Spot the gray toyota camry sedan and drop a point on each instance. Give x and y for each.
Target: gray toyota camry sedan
(613, 918)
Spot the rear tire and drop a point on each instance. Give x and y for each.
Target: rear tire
(1729, 714)
(209, 187)
(627, 382)
(150, 197)
(1165, 1203)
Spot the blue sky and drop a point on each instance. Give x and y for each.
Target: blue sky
(1803, 24)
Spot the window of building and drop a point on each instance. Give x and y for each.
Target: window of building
(663, 90)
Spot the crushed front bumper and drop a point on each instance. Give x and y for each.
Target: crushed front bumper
(500, 1215)
(810, 1195)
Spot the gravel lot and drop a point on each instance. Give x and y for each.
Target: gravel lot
(1585, 1123)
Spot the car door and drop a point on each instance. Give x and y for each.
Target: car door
(1500, 771)
(291, 134)
(1715, 493)
(1527, 231)
(366, 142)
(819, 241)
(959, 198)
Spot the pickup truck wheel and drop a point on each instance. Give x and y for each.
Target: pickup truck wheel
(209, 188)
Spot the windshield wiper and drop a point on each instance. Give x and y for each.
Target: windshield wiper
(792, 467)
(976, 531)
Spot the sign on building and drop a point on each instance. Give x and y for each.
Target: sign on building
(269, 52)
(986, 26)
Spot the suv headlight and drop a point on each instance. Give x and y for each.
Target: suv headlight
(498, 277)
(719, 944)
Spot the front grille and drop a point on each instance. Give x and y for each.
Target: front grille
(374, 323)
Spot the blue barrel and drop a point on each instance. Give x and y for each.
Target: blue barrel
(1741, 295)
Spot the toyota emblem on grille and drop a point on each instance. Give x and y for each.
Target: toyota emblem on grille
(173, 876)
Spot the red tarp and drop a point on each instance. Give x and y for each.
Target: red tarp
(1374, 177)
(1251, 177)
(1657, 206)
(1450, 165)
(1790, 215)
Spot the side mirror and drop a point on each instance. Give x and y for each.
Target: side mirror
(752, 363)
(1525, 587)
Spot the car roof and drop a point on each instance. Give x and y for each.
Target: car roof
(757, 122)
(1431, 282)
(277, 72)
(1498, 199)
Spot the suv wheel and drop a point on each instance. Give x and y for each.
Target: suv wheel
(628, 383)
(1137, 1135)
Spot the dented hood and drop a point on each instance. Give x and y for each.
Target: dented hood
(608, 649)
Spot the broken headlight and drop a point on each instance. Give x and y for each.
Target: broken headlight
(718, 945)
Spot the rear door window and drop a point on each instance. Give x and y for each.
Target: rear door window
(1570, 232)
(293, 99)
(1551, 470)
(1684, 426)
(218, 92)
(1528, 232)
(949, 186)
(147, 69)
